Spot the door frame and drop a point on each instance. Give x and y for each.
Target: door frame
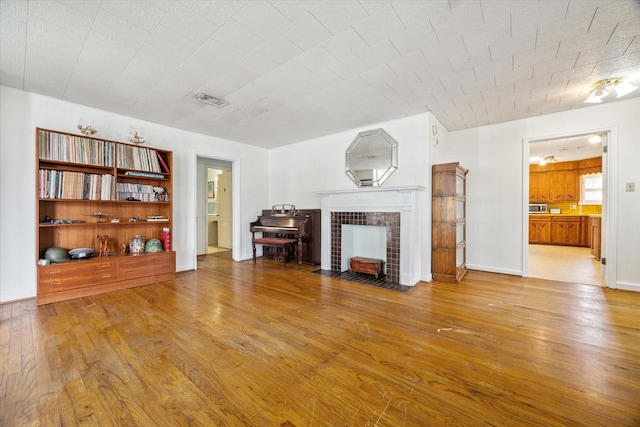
(609, 202)
(236, 167)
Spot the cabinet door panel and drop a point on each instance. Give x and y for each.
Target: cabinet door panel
(543, 187)
(573, 233)
(572, 188)
(534, 182)
(557, 186)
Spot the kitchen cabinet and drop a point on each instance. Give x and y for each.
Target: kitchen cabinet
(565, 231)
(539, 187)
(585, 231)
(559, 230)
(539, 229)
(559, 182)
(596, 233)
(563, 186)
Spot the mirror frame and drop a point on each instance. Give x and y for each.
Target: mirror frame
(373, 176)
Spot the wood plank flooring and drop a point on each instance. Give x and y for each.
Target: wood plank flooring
(233, 344)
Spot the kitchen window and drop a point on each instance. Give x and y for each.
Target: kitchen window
(591, 189)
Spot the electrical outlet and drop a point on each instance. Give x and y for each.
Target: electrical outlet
(572, 207)
(630, 186)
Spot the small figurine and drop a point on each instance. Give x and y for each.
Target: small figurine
(104, 244)
(123, 248)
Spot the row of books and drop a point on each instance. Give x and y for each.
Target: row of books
(54, 184)
(75, 149)
(140, 192)
(140, 158)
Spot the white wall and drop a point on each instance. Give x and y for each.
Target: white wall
(21, 112)
(494, 156)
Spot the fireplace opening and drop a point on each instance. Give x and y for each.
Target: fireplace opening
(387, 222)
(363, 241)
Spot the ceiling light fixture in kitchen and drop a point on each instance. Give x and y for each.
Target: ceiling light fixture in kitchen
(547, 159)
(602, 88)
(594, 139)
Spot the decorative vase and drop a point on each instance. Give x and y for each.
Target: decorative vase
(136, 244)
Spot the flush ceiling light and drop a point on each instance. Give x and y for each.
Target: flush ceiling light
(594, 139)
(211, 100)
(602, 88)
(548, 159)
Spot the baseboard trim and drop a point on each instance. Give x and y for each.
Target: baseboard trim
(628, 286)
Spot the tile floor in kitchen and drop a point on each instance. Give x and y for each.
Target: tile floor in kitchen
(564, 263)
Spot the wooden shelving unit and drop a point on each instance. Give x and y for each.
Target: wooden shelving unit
(448, 246)
(89, 187)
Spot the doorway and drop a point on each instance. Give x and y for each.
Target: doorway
(214, 205)
(559, 245)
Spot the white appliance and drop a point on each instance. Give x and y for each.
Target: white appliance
(537, 208)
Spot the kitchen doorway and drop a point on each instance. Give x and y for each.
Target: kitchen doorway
(565, 175)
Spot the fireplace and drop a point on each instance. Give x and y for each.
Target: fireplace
(395, 208)
(390, 221)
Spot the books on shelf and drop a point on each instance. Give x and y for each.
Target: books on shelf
(144, 174)
(140, 192)
(75, 149)
(141, 158)
(90, 151)
(157, 218)
(55, 184)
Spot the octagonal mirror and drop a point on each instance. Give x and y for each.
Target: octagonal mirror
(371, 158)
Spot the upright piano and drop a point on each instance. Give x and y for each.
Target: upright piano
(281, 232)
(307, 234)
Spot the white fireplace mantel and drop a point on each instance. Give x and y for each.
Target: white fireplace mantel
(388, 199)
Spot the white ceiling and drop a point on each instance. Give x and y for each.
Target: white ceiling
(566, 149)
(294, 70)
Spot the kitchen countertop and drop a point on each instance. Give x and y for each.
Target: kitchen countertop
(565, 214)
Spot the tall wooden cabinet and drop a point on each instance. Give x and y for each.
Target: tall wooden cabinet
(448, 245)
(89, 187)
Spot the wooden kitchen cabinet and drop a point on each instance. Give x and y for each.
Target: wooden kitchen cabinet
(571, 186)
(557, 186)
(585, 231)
(596, 233)
(563, 186)
(538, 187)
(559, 230)
(559, 182)
(565, 231)
(539, 229)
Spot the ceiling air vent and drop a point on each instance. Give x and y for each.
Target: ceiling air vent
(211, 100)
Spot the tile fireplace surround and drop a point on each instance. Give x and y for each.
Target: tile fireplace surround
(379, 206)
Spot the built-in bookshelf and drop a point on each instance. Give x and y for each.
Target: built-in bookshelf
(89, 188)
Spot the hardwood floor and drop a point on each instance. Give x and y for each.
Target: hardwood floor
(233, 344)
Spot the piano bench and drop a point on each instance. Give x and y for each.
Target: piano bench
(284, 245)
